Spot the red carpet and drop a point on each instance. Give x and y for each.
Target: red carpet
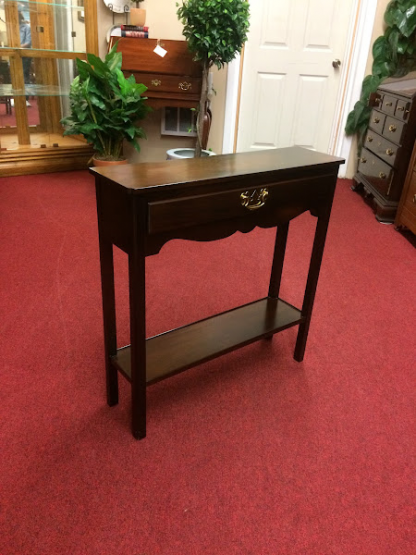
(249, 454)
(10, 119)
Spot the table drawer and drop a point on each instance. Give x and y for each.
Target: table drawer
(389, 104)
(382, 147)
(377, 172)
(402, 109)
(377, 120)
(255, 203)
(394, 130)
(192, 211)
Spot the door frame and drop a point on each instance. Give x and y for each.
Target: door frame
(358, 41)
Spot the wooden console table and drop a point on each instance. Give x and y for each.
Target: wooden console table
(141, 207)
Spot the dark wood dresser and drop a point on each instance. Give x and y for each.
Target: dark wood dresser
(388, 145)
(406, 213)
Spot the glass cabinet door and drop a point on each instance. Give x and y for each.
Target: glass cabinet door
(39, 42)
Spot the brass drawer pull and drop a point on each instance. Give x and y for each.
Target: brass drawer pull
(185, 86)
(400, 108)
(156, 82)
(390, 152)
(370, 139)
(382, 175)
(363, 160)
(392, 128)
(376, 120)
(255, 199)
(389, 103)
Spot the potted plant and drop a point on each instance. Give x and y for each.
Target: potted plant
(216, 31)
(137, 14)
(105, 107)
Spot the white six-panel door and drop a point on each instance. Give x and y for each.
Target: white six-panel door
(290, 86)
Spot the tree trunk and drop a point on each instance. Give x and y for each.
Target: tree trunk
(202, 110)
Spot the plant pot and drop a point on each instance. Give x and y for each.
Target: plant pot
(180, 153)
(98, 162)
(137, 16)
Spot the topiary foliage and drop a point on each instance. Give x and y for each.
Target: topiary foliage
(216, 31)
(394, 55)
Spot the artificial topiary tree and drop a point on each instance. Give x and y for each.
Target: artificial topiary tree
(216, 31)
(394, 55)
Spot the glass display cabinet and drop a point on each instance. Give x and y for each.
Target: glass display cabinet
(39, 42)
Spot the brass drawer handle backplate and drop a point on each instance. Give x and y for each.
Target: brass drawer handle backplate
(156, 82)
(392, 128)
(254, 199)
(390, 151)
(185, 86)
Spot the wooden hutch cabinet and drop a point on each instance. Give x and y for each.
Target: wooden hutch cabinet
(388, 145)
(39, 42)
(406, 213)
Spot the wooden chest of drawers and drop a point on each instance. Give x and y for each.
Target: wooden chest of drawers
(388, 145)
(406, 213)
(174, 80)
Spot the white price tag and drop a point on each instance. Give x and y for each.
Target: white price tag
(160, 51)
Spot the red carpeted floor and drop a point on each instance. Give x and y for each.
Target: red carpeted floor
(251, 453)
(10, 119)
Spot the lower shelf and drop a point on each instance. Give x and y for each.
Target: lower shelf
(179, 349)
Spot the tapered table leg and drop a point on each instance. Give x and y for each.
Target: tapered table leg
(312, 281)
(109, 318)
(137, 294)
(278, 260)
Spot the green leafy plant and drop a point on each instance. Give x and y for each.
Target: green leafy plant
(394, 55)
(105, 106)
(216, 31)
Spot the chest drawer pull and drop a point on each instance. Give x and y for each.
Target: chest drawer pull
(185, 86)
(156, 82)
(363, 160)
(376, 120)
(389, 103)
(390, 151)
(369, 138)
(254, 200)
(392, 128)
(382, 175)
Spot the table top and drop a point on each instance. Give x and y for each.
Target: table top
(179, 175)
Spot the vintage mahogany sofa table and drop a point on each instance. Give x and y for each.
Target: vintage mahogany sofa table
(142, 206)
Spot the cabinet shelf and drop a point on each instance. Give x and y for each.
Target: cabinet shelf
(33, 90)
(179, 349)
(28, 4)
